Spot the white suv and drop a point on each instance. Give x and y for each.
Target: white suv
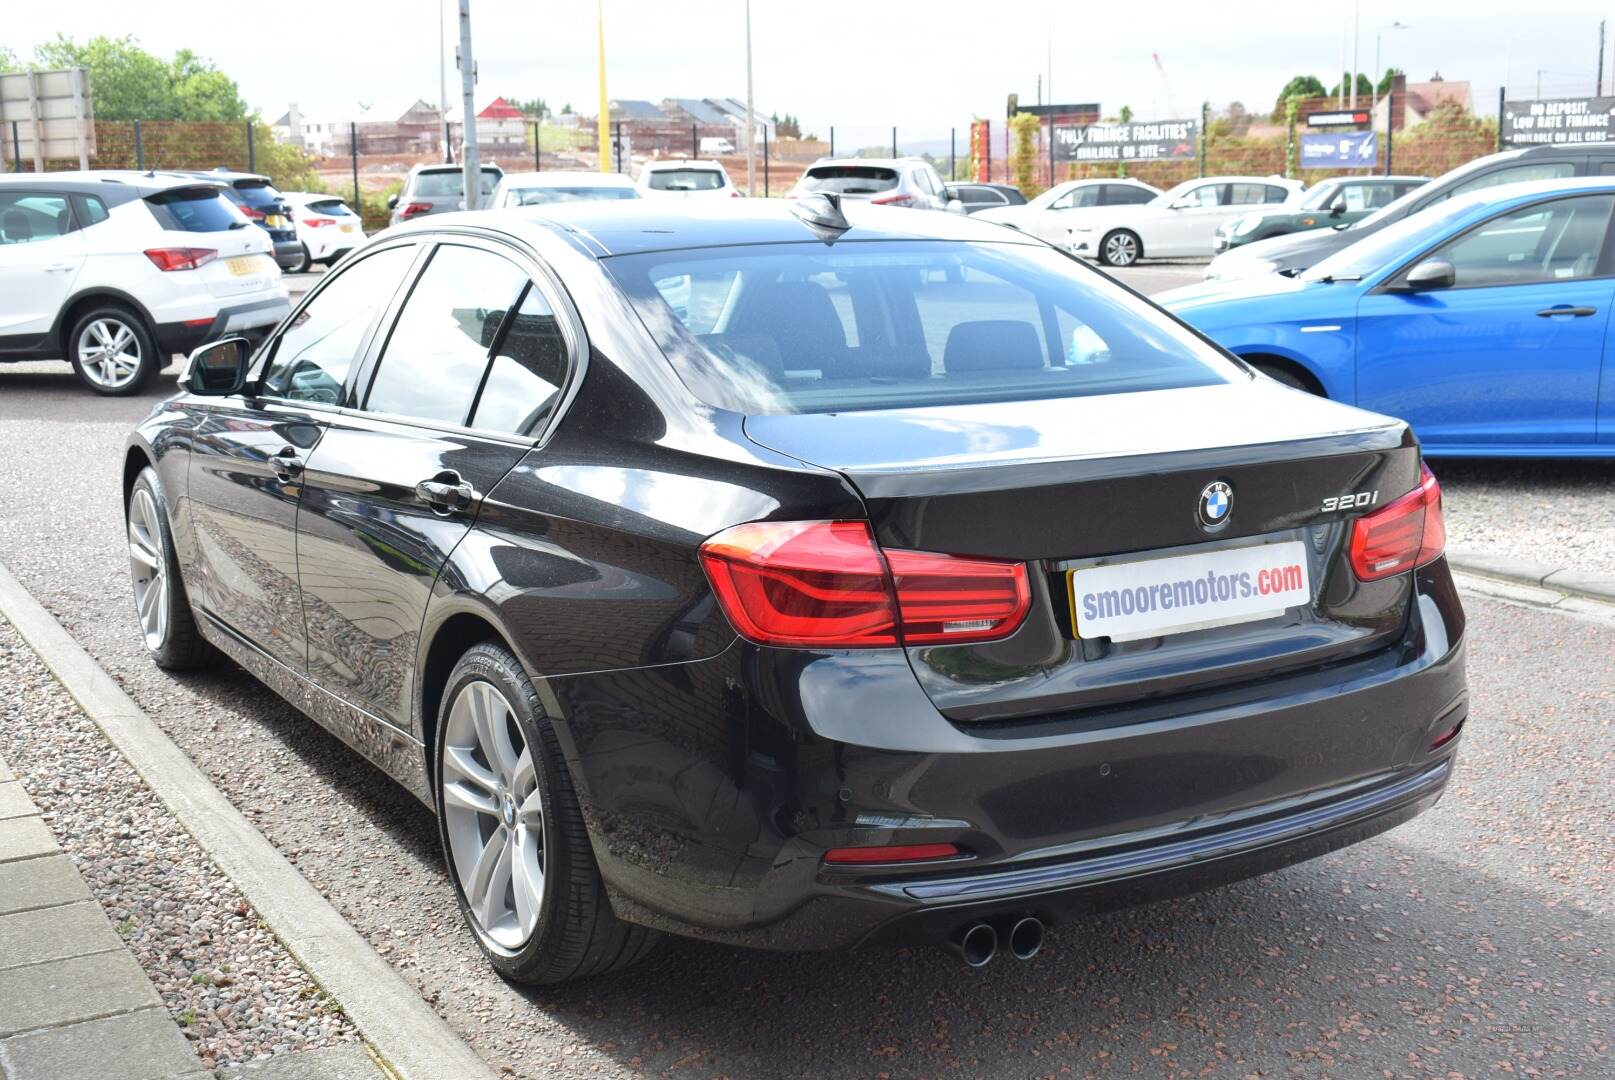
(117, 271)
(326, 228)
(678, 178)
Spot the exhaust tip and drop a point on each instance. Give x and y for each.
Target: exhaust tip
(1026, 937)
(977, 944)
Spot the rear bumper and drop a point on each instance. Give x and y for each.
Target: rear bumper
(252, 320)
(713, 789)
(288, 253)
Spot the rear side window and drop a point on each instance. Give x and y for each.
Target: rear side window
(528, 369)
(203, 209)
(801, 328)
(444, 183)
(1252, 194)
(436, 355)
(89, 210)
(849, 179)
(685, 180)
(1126, 195)
(313, 356)
(27, 217)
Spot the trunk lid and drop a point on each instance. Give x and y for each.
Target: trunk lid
(1069, 484)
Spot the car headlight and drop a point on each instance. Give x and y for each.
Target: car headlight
(1225, 269)
(1247, 224)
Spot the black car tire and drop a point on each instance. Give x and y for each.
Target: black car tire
(576, 935)
(1120, 247)
(168, 626)
(304, 266)
(113, 378)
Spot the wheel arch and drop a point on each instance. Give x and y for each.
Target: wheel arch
(449, 639)
(84, 300)
(1283, 360)
(136, 458)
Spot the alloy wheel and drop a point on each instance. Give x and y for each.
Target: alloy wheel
(109, 353)
(493, 815)
(148, 568)
(1121, 249)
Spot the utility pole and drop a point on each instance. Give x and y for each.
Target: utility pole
(443, 81)
(751, 116)
(603, 126)
(1598, 89)
(1356, 12)
(468, 92)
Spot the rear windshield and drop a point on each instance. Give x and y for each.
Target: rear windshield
(202, 209)
(685, 180)
(450, 182)
(538, 196)
(258, 194)
(849, 179)
(791, 328)
(331, 208)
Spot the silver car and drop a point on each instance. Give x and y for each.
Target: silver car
(438, 189)
(907, 181)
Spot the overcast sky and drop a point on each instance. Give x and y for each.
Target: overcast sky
(922, 65)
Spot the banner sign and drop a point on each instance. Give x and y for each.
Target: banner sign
(1076, 109)
(1559, 122)
(1343, 150)
(1157, 140)
(1346, 118)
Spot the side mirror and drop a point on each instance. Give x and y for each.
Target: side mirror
(1432, 274)
(956, 206)
(218, 369)
(1337, 207)
(392, 202)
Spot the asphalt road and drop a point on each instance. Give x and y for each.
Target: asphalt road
(1476, 940)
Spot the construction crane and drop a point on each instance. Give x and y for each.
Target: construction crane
(1166, 89)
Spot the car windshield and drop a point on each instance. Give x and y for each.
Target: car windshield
(331, 208)
(849, 179)
(792, 328)
(198, 209)
(1321, 196)
(538, 196)
(685, 180)
(258, 194)
(1388, 245)
(449, 183)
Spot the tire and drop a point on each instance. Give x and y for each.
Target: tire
(1120, 247)
(304, 266)
(515, 805)
(112, 352)
(161, 604)
(1279, 373)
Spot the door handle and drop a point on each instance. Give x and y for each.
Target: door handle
(57, 267)
(287, 464)
(1565, 309)
(446, 492)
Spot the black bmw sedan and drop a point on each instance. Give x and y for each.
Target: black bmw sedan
(803, 577)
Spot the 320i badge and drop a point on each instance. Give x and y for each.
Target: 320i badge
(803, 577)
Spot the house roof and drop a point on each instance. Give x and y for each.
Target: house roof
(633, 109)
(500, 109)
(698, 110)
(1424, 96)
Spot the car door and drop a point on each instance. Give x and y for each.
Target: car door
(1059, 216)
(41, 254)
(1511, 353)
(450, 404)
(1189, 224)
(249, 452)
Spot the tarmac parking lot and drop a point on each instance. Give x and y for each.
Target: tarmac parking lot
(1473, 941)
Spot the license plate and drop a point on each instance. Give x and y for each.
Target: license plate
(347, 228)
(244, 265)
(274, 221)
(1171, 595)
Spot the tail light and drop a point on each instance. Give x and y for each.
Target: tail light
(180, 258)
(1403, 535)
(826, 584)
(411, 209)
(252, 212)
(894, 200)
(319, 222)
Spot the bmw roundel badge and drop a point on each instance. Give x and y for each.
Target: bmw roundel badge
(1216, 503)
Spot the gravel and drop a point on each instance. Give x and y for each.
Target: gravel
(236, 992)
(1559, 513)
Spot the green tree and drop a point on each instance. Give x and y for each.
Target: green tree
(1023, 158)
(201, 90)
(129, 83)
(8, 59)
(1302, 86)
(1385, 80)
(1365, 85)
(536, 108)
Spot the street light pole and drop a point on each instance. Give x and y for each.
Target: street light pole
(1356, 12)
(751, 116)
(1375, 74)
(468, 121)
(443, 81)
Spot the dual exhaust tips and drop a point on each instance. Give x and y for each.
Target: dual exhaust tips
(977, 943)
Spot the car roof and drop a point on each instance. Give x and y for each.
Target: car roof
(559, 177)
(224, 176)
(124, 182)
(1597, 149)
(627, 227)
(449, 166)
(881, 162)
(682, 163)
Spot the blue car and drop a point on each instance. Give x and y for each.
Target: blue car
(1483, 321)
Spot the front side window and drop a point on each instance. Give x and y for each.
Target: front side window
(1077, 198)
(1557, 241)
(435, 357)
(1205, 195)
(27, 217)
(781, 328)
(313, 356)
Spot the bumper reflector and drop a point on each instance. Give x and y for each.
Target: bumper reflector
(891, 853)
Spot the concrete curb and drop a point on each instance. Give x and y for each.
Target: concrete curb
(411, 1040)
(1579, 583)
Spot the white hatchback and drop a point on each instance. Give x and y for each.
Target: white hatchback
(326, 227)
(560, 186)
(117, 271)
(686, 179)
